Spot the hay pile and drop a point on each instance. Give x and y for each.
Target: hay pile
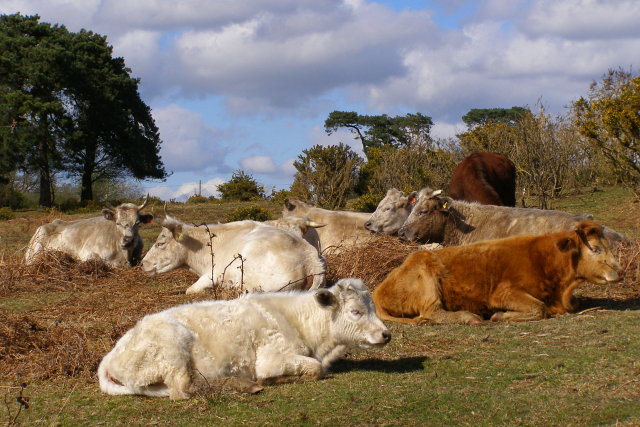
(370, 261)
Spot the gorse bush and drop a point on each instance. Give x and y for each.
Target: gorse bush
(6, 214)
(197, 199)
(255, 213)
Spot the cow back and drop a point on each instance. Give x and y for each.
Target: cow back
(487, 178)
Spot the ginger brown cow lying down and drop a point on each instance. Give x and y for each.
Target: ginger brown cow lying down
(514, 279)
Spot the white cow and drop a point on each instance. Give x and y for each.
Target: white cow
(267, 337)
(391, 212)
(302, 227)
(343, 228)
(247, 254)
(112, 237)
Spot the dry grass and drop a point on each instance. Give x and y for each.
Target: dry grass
(83, 308)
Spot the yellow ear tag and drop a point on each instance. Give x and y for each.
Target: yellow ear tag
(444, 206)
(180, 236)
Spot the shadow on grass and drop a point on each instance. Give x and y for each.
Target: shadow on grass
(585, 303)
(398, 366)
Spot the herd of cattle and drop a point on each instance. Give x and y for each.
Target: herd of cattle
(494, 261)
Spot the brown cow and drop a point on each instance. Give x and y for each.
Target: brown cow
(487, 178)
(513, 279)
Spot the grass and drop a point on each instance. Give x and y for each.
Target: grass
(578, 369)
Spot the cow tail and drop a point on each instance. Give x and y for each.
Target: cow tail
(107, 384)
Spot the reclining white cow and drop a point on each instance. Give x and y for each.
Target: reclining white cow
(343, 228)
(112, 237)
(257, 337)
(247, 254)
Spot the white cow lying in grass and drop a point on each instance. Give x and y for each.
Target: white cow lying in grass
(262, 337)
(250, 254)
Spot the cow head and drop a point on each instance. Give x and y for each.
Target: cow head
(594, 260)
(428, 218)
(391, 213)
(295, 207)
(354, 320)
(171, 248)
(127, 218)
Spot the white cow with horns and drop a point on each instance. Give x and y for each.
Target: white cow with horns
(261, 337)
(112, 237)
(247, 254)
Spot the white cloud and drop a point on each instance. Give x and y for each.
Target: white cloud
(187, 189)
(189, 144)
(258, 164)
(318, 136)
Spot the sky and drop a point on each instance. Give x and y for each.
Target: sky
(247, 85)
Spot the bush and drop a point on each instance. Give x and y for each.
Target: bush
(197, 199)
(6, 214)
(255, 213)
(242, 187)
(367, 202)
(279, 196)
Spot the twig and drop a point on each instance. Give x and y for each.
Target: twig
(589, 310)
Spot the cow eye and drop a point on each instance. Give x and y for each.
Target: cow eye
(159, 244)
(356, 313)
(597, 249)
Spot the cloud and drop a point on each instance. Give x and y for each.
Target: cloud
(187, 189)
(258, 164)
(189, 144)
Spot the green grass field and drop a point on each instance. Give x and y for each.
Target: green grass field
(577, 369)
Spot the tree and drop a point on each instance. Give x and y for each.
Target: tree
(609, 119)
(481, 116)
(241, 186)
(67, 105)
(381, 130)
(326, 175)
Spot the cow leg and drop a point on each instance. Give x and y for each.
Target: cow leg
(520, 307)
(444, 317)
(204, 282)
(275, 367)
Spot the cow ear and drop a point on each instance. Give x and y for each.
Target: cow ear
(145, 218)
(412, 198)
(287, 204)
(178, 232)
(326, 298)
(109, 214)
(445, 204)
(566, 244)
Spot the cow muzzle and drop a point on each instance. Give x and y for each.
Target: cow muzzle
(380, 338)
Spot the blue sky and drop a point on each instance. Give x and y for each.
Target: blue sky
(248, 84)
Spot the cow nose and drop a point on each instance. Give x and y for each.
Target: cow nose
(386, 335)
(367, 225)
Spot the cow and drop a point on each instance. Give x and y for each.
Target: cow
(301, 227)
(514, 279)
(487, 178)
(342, 228)
(242, 254)
(265, 338)
(439, 219)
(112, 237)
(391, 213)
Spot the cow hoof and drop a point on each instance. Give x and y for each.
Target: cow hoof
(497, 317)
(476, 322)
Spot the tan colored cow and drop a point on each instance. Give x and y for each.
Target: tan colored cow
(112, 237)
(513, 279)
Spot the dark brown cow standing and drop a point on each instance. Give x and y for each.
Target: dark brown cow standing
(487, 178)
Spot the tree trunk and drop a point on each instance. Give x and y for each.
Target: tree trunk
(46, 195)
(86, 193)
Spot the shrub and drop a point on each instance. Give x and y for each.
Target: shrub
(197, 199)
(367, 202)
(242, 186)
(255, 213)
(6, 214)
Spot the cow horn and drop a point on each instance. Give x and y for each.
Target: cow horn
(580, 232)
(146, 199)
